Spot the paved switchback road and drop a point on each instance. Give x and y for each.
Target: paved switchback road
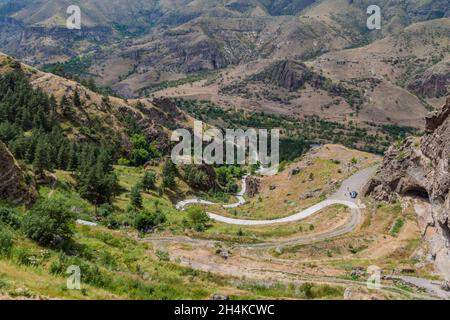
(341, 196)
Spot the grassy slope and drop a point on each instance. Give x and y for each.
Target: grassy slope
(136, 272)
(372, 244)
(142, 272)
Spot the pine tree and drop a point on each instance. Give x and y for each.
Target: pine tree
(19, 147)
(136, 197)
(31, 149)
(96, 179)
(40, 120)
(72, 164)
(40, 162)
(66, 106)
(25, 119)
(91, 84)
(105, 159)
(149, 180)
(76, 99)
(62, 158)
(52, 153)
(169, 172)
(86, 185)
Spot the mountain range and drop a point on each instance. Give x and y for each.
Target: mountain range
(213, 50)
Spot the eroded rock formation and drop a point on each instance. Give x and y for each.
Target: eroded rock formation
(420, 167)
(15, 186)
(253, 186)
(287, 74)
(433, 82)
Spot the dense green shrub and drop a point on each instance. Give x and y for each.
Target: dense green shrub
(143, 151)
(169, 172)
(146, 220)
(231, 187)
(198, 218)
(10, 217)
(136, 197)
(198, 178)
(149, 180)
(49, 223)
(6, 242)
(90, 273)
(105, 210)
(112, 223)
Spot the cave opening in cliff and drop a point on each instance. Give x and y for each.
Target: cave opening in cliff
(417, 192)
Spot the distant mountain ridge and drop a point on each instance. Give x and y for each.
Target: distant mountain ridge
(135, 46)
(108, 22)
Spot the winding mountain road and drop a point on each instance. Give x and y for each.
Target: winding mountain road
(341, 196)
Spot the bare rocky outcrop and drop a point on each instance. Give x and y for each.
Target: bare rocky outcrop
(293, 172)
(420, 168)
(253, 186)
(287, 74)
(433, 82)
(15, 186)
(171, 111)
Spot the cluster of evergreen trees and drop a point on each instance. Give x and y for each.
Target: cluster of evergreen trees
(46, 150)
(29, 125)
(142, 150)
(22, 108)
(97, 181)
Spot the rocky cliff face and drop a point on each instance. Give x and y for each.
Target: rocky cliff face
(287, 74)
(15, 186)
(32, 43)
(420, 168)
(433, 82)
